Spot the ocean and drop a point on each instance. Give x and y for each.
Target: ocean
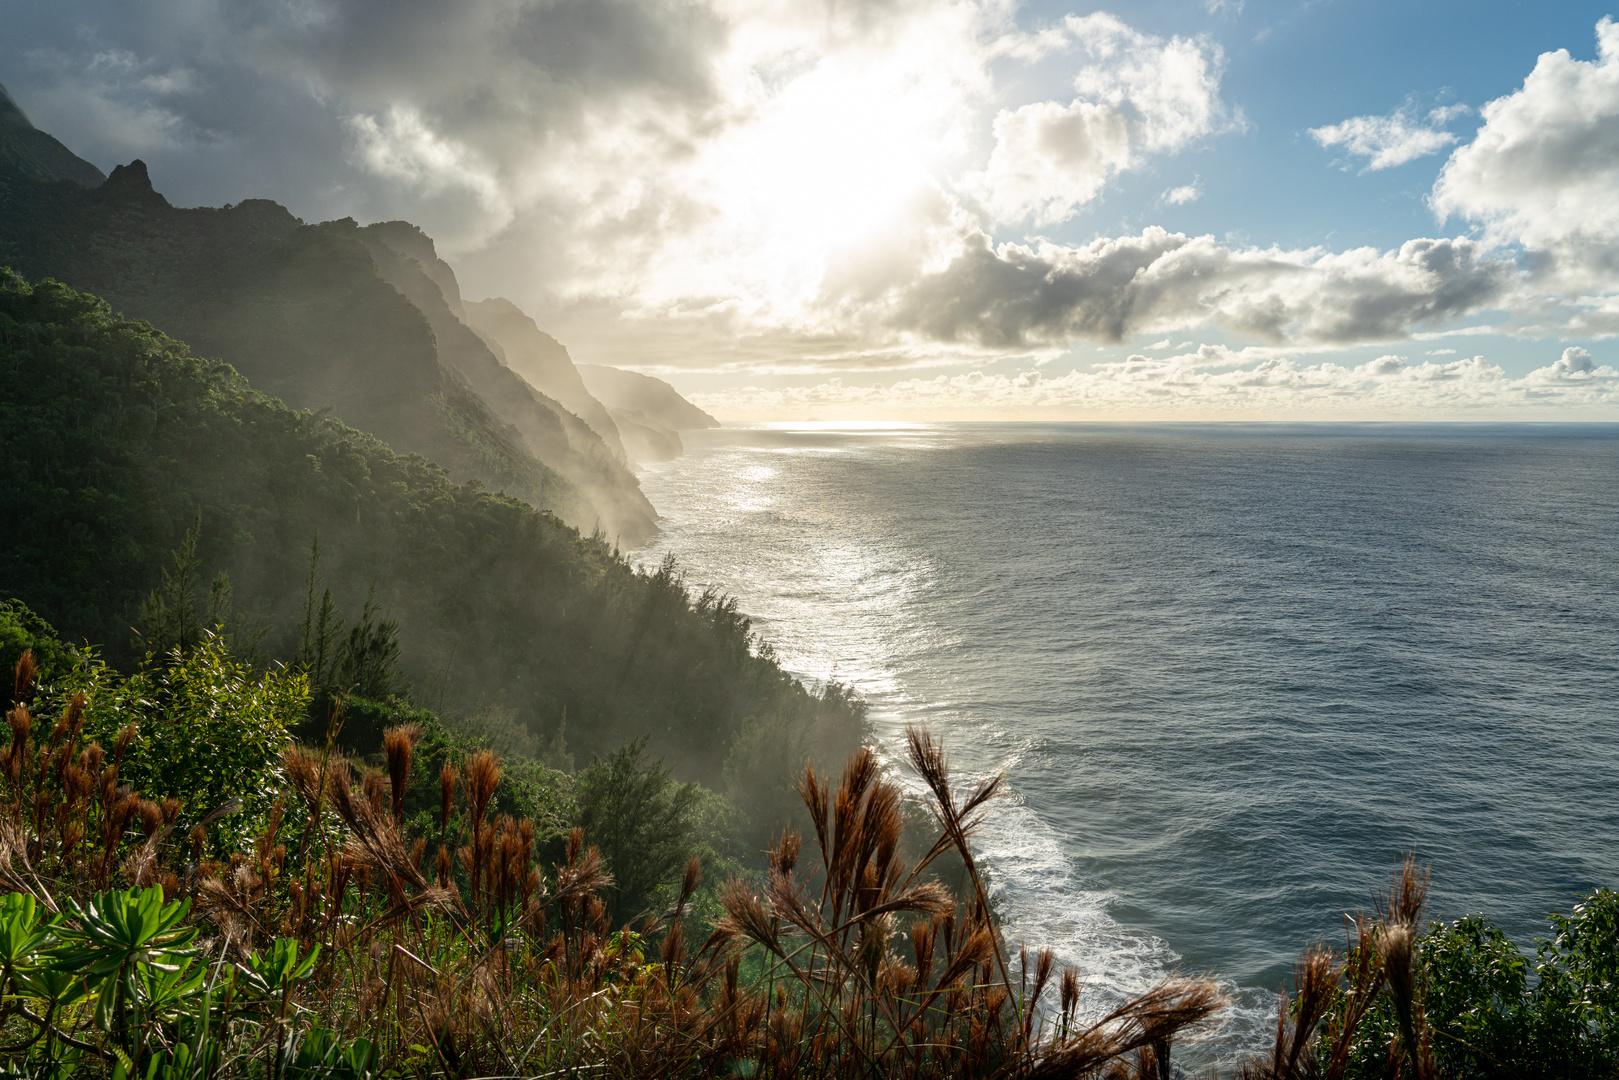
(1232, 672)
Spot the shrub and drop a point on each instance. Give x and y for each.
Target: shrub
(335, 948)
(206, 728)
(1458, 1001)
(20, 630)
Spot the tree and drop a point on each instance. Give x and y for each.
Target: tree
(170, 618)
(363, 664)
(645, 824)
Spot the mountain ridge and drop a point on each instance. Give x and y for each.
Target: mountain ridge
(543, 361)
(306, 313)
(118, 440)
(28, 150)
(631, 391)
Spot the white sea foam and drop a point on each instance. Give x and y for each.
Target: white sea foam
(1043, 902)
(835, 611)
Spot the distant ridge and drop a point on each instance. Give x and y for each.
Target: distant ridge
(632, 392)
(542, 360)
(28, 150)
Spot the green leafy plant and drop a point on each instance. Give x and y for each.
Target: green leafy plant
(644, 823)
(207, 727)
(1458, 1000)
(319, 1054)
(124, 945)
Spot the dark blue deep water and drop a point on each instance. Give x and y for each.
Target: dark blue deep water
(1231, 671)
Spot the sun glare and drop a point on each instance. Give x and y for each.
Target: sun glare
(839, 158)
(825, 161)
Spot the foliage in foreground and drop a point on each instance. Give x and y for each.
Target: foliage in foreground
(1456, 1001)
(404, 921)
(346, 940)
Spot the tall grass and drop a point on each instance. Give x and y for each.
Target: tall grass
(344, 937)
(337, 943)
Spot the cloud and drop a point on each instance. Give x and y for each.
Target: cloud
(1543, 170)
(1387, 387)
(1017, 294)
(1186, 193)
(121, 100)
(735, 184)
(1387, 141)
(400, 145)
(381, 108)
(1575, 363)
(1137, 96)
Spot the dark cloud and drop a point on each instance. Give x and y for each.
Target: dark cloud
(229, 100)
(1017, 295)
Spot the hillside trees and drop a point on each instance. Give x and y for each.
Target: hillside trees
(115, 439)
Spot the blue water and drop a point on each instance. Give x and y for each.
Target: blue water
(1231, 671)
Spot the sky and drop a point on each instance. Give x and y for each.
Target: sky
(931, 209)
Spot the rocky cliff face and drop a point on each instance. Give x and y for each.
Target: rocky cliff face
(360, 322)
(543, 361)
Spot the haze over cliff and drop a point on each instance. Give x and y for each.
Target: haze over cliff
(367, 322)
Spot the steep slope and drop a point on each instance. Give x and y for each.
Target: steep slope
(26, 150)
(299, 309)
(633, 392)
(543, 361)
(645, 438)
(114, 439)
(405, 258)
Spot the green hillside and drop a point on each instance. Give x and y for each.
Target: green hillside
(114, 438)
(307, 314)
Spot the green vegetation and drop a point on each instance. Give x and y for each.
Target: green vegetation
(428, 917)
(1458, 1000)
(646, 825)
(174, 704)
(393, 922)
(116, 439)
(1487, 1010)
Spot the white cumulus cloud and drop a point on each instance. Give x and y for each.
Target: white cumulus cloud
(1544, 169)
(1387, 141)
(1186, 193)
(1137, 96)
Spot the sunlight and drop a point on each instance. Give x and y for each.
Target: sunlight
(839, 158)
(827, 159)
